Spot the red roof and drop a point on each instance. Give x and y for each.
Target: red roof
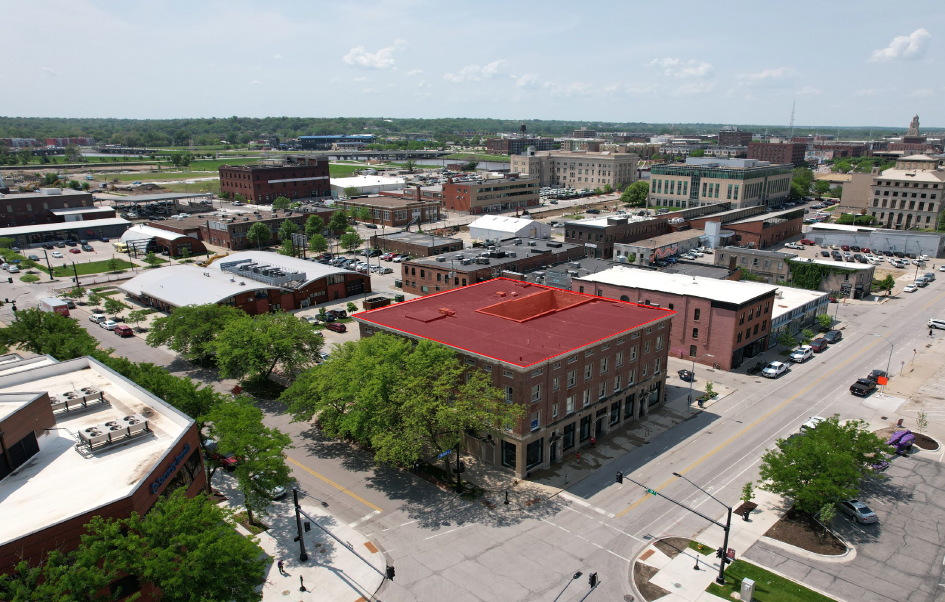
(511, 321)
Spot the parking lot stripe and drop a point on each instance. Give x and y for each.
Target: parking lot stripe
(734, 437)
(335, 485)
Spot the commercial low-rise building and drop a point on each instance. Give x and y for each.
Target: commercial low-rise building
(491, 195)
(771, 266)
(581, 366)
(305, 177)
(228, 229)
(394, 212)
(35, 235)
(796, 309)
(909, 195)
(599, 235)
(719, 322)
(578, 170)
(650, 250)
(326, 142)
(32, 208)
(81, 441)
(365, 185)
(512, 258)
(755, 229)
(256, 282)
(501, 227)
(701, 181)
(416, 244)
(778, 152)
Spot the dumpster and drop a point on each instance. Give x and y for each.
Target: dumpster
(398, 298)
(399, 283)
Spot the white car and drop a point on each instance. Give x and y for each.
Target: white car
(13, 269)
(802, 354)
(108, 324)
(97, 318)
(774, 369)
(910, 288)
(56, 255)
(942, 269)
(859, 511)
(936, 323)
(812, 423)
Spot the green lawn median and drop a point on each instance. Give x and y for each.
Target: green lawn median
(768, 586)
(92, 267)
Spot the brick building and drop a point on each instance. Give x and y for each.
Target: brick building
(579, 169)
(734, 137)
(306, 178)
(80, 141)
(142, 238)
(416, 244)
(30, 208)
(228, 230)
(512, 257)
(778, 152)
(598, 236)
(728, 319)
(517, 146)
(581, 366)
(908, 195)
(584, 133)
(256, 282)
(394, 212)
(491, 195)
(770, 265)
(81, 441)
(761, 230)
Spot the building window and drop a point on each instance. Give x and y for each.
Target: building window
(739, 337)
(602, 390)
(633, 353)
(628, 406)
(616, 383)
(645, 368)
(657, 366)
(585, 428)
(536, 393)
(554, 384)
(619, 361)
(695, 333)
(507, 373)
(571, 378)
(588, 371)
(569, 404)
(536, 372)
(568, 438)
(693, 350)
(632, 377)
(615, 412)
(603, 365)
(646, 346)
(572, 359)
(587, 397)
(509, 394)
(659, 341)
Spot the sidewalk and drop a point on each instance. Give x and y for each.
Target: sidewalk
(678, 576)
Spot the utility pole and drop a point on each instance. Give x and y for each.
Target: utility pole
(793, 104)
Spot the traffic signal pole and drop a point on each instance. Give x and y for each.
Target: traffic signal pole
(390, 570)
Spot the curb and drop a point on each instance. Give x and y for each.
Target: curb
(783, 576)
(847, 556)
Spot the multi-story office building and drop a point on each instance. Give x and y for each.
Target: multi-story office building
(701, 181)
(579, 169)
(778, 152)
(306, 177)
(517, 145)
(584, 133)
(909, 195)
(46, 205)
(326, 142)
(581, 366)
(598, 236)
(491, 195)
(732, 136)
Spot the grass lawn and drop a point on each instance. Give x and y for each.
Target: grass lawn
(768, 586)
(658, 207)
(154, 175)
(92, 267)
(701, 548)
(479, 157)
(209, 186)
(344, 170)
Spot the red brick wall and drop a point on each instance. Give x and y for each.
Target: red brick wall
(254, 183)
(755, 232)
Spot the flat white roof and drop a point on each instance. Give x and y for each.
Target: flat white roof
(841, 227)
(845, 265)
(68, 210)
(80, 225)
(501, 223)
(143, 232)
(365, 181)
(59, 483)
(912, 175)
(789, 298)
(728, 291)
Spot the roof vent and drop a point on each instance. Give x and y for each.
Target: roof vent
(447, 311)
(242, 283)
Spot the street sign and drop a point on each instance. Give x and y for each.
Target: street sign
(446, 453)
(731, 554)
(651, 492)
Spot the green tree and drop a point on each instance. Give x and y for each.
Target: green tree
(287, 229)
(748, 493)
(75, 293)
(74, 185)
(86, 186)
(138, 316)
(351, 240)
(608, 188)
(827, 514)
(314, 225)
(73, 153)
(821, 187)
(797, 192)
(114, 306)
(636, 194)
(824, 322)
(351, 191)
(803, 177)
(318, 243)
(281, 203)
(251, 347)
(43, 332)
(95, 299)
(785, 338)
(365, 214)
(259, 233)
(824, 465)
(152, 260)
(338, 221)
(192, 329)
(351, 307)
(921, 421)
(887, 283)
(697, 153)
(410, 165)
(238, 429)
(807, 335)
(113, 265)
(6, 242)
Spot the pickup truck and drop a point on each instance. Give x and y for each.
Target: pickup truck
(863, 387)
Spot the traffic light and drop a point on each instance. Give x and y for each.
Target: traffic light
(390, 573)
(619, 477)
(592, 580)
(720, 553)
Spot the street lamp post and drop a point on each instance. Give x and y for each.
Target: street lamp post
(889, 361)
(692, 379)
(727, 528)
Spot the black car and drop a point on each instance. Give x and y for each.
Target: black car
(875, 375)
(855, 248)
(833, 336)
(33, 258)
(825, 253)
(372, 226)
(911, 255)
(337, 313)
(594, 211)
(686, 375)
(48, 245)
(87, 248)
(863, 387)
(70, 243)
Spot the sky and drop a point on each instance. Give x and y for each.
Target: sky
(860, 63)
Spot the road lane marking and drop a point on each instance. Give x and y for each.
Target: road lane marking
(728, 441)
(580, 502)
(409, 522)
(445, 532)
(926, 306)
(335, 485)
(614, 553)
(364, 518)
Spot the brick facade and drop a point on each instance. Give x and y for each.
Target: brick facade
(598, 236)
(394, 212)
(491, 196)
(778, 152)
(36, 208)
(264, 183)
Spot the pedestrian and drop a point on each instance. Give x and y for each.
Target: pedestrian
(930, 332)
(281, 566)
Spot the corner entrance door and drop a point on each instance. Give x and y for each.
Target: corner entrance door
(553, 452)
(599, 428)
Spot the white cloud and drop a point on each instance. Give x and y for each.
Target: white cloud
(475, 73)
(904, 48)
(360, 79)
(335, 79)
(424, 84)
(694, 88)
(369, 91)
(278, 57)
(415, 72)
(809, 91)
(634, 88)
(529, 80)
(49, 71)
(681, 69)
(382, 59)
(923, 92)
(255, 82)
(768, 76)
(569, 90)
(867, 92)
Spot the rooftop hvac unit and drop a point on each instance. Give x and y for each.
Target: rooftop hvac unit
(467, 261)
(482, 260)
(512, 254)
(575, 264)
(517, 241)
(532, 243)
(440, 258)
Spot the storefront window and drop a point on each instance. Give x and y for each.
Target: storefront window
(585, 428)
(534, 453)
(508, 454)
(568, 436)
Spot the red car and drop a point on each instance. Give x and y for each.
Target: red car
(845, 247)
(336, 327)
(865, 249)
(74, 250)
(806, 241)
(123, 331)
(818, 345)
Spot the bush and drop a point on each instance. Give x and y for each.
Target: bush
(29, 278)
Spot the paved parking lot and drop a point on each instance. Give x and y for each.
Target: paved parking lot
(898, 559)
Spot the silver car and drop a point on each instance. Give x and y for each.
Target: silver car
(858, 510)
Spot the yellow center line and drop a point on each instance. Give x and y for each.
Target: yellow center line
(335, 485)
(926, 306)
(744, 430)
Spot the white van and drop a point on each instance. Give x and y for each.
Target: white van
(97, 318)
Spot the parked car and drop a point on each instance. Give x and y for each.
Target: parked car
(910, 288)
(123, 331)
(386, 271)
(802, 354)
(686, 375)
(69, 303)
(921, 283)
(863, 387)
(858, 510)
(36, 258)
(825, 253)
(56, 255)
(774, 369)
(97, 318)
(87, 248)
(833, 336)
(227, 461)
(60, 245)
(75, 251)
(818, 345)
(811, 423)
(875, 375)
(337, 313)
(336, 327)
(806, 241)
(936, 323)
(108, 324)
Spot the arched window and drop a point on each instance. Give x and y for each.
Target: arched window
(624, 298)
